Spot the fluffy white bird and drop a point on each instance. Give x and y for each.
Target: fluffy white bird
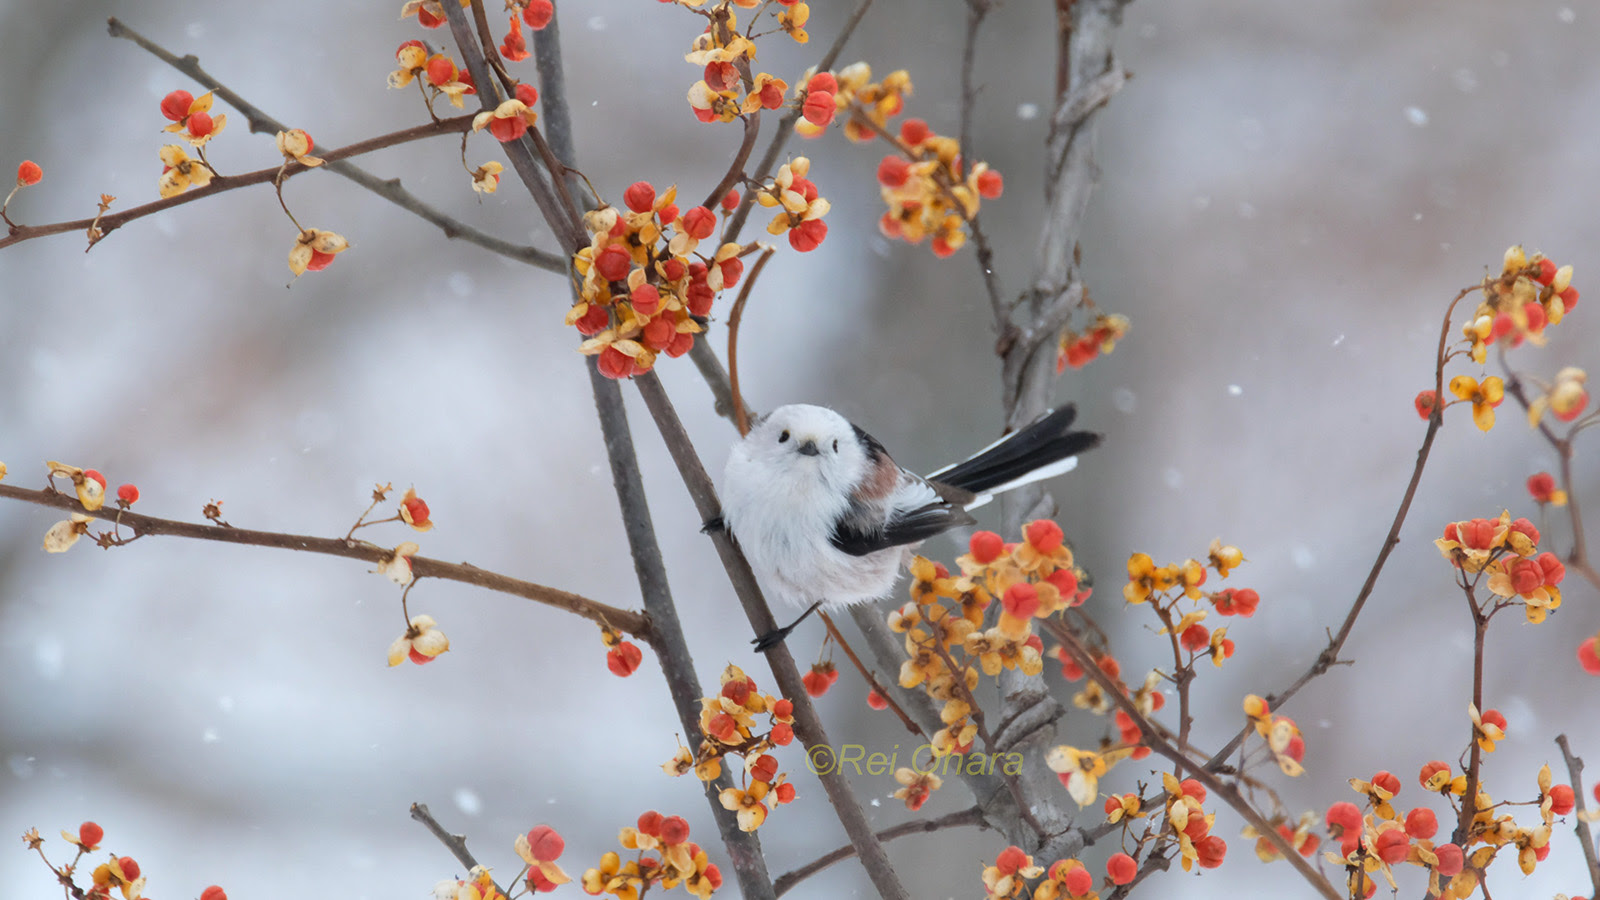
(827, 518)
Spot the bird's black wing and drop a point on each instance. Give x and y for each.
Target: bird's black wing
(857, 535)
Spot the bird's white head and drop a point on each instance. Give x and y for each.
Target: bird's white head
(806, 447)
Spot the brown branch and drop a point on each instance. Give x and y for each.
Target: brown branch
(221, 183)
(807, 724)
(421, 566)
(1578, 559)
(838, 638)
(741, 414)
(769, 160)
(1585, 837)
(752, 127)
(977, 10)
(1330, 654)
(389, 189)
(969, 816)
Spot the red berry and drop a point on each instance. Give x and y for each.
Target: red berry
(441, 70)
(640, 196)
(429, 20)
(95, 476)
(175, 105)
(1121, 868)
(819, 107)
(1450, 860)
(893, 171)
(990, 184)
(89, 834)
(986, 546)
(876, 700)
(1010, 860)
(29, 173)
(823, 82)
(681, 343)
(1562, 799)
(1547, 270)
(1421, 823)
(527, 93)
(646, 299)
(730, 200)
(674, 269)
(1021, 600)
(650, 823)
(596, 320)
(1212, 850)
(200, 124)
(129, 868)
(213, 893)
(1569, 299)
(419, 658)
(1044, 535)
(808, 235)
(614, 363)
(546, 844)
(1589, 661)
(1195, 638)
(613, 262)
(507, 130)
(914, 132)
(1078, 881)
(732, 268)
(538, 13)
(721, 76)
(699, 223)
(674, 830)
(623, 659)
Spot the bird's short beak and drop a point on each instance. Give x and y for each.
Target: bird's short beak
(809, 448)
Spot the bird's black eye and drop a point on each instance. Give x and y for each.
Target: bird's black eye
(836, 446)
(783, 437)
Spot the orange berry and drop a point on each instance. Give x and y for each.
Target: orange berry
(213, 892)
(1010, 860)
(29, 173)
(1121, 868)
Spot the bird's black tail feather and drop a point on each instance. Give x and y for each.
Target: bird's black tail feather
(1044, 444)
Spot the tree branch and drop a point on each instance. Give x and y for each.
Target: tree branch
(388, 189)
(969, 816)
(1585, 837)
(807, 725)
(455, 843)
(421, 566)
(221, 183)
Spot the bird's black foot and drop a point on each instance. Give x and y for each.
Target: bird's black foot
(712, 525)
(775, 637)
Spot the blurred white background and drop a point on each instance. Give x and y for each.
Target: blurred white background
(1290, 195)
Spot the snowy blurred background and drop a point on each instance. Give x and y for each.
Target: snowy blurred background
(1290, 195)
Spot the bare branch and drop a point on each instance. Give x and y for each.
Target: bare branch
(388, 189)
(969, 816)
(421, 566)
(455, 843)
(221, 183)
(1585, 837)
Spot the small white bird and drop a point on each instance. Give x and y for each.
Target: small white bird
(827, 518)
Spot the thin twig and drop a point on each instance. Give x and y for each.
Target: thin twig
(977, 10)
(1581, 828)
(741, 415)
(1330, 654)
(807, 724)
(422, 566)
(455, 843)
(389, 189)
(221, 183)
(838, 638)
(752, 127)
(970, 816)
